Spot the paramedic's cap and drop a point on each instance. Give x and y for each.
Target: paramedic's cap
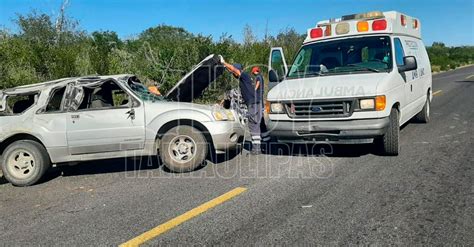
(255, 69)
(238, 66)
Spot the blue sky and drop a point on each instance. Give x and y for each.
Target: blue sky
(451, 22)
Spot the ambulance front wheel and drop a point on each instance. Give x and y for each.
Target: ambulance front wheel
(389, 143)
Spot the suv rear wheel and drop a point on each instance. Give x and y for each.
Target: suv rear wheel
(183, 148)
(24, 162)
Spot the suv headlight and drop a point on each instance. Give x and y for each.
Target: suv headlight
(277, 108)
(223, 115)
(230, 115)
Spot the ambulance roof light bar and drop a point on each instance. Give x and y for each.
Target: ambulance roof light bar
(364, 16)
(370, 22)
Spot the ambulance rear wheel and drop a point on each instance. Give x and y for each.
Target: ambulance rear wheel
(424, 115)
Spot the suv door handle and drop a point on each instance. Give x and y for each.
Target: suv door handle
(131, 114)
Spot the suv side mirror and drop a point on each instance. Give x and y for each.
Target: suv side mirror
(409, 64)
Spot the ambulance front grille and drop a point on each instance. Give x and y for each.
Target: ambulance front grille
(320, 109)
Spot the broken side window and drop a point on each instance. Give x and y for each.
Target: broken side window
(55, 102)
(17, 104)
(73, 97)
(2, 102)
(104, 96)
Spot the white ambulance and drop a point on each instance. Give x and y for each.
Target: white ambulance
(356, 79)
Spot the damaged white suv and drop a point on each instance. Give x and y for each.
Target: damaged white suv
(93, 118)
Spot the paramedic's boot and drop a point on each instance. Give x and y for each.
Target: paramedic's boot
(266, 141)
(265, 147)
(256, 149)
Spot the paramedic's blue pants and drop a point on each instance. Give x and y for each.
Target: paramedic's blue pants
(257, 126)
(255, 116)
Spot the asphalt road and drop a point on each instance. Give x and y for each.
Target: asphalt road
(349, 196)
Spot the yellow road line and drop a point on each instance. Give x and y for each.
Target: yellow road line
(437, 92)
(155, 232)
(469, 77)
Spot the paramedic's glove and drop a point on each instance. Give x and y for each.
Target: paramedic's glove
(221, 59)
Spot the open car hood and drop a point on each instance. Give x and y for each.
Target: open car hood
(193, 84)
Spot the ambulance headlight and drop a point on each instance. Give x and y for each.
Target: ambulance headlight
(367, 104)
(277, 108)
(378, 103)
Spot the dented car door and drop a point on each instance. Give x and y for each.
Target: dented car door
(103, 128)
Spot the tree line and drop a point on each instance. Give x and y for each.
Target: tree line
(39, 51)
(445, 58)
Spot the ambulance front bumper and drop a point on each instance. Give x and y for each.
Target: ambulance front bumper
(340, 131)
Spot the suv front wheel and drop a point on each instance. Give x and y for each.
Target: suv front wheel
(183, 148)
(24, 162)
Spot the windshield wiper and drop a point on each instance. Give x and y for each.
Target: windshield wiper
(363, 67)
(308, 74)
(315, 73)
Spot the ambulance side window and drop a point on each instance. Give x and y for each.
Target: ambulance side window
(277, 63)
(399, 53)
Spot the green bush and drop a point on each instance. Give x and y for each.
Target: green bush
(444, 58)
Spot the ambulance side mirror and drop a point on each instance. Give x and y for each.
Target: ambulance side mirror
(409, 64)
(277, 66)
(273, 77)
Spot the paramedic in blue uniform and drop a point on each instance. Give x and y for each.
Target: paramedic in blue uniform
(253, 102)
(260, 90)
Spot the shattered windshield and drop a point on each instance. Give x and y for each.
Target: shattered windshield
(143, 93)
(354, 55)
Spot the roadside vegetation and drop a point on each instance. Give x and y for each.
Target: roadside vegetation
(42, 50)
(445, 58)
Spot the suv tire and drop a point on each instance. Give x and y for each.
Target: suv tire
(24, 162)
(183, 149)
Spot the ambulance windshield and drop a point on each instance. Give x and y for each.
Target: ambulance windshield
(371, 54)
